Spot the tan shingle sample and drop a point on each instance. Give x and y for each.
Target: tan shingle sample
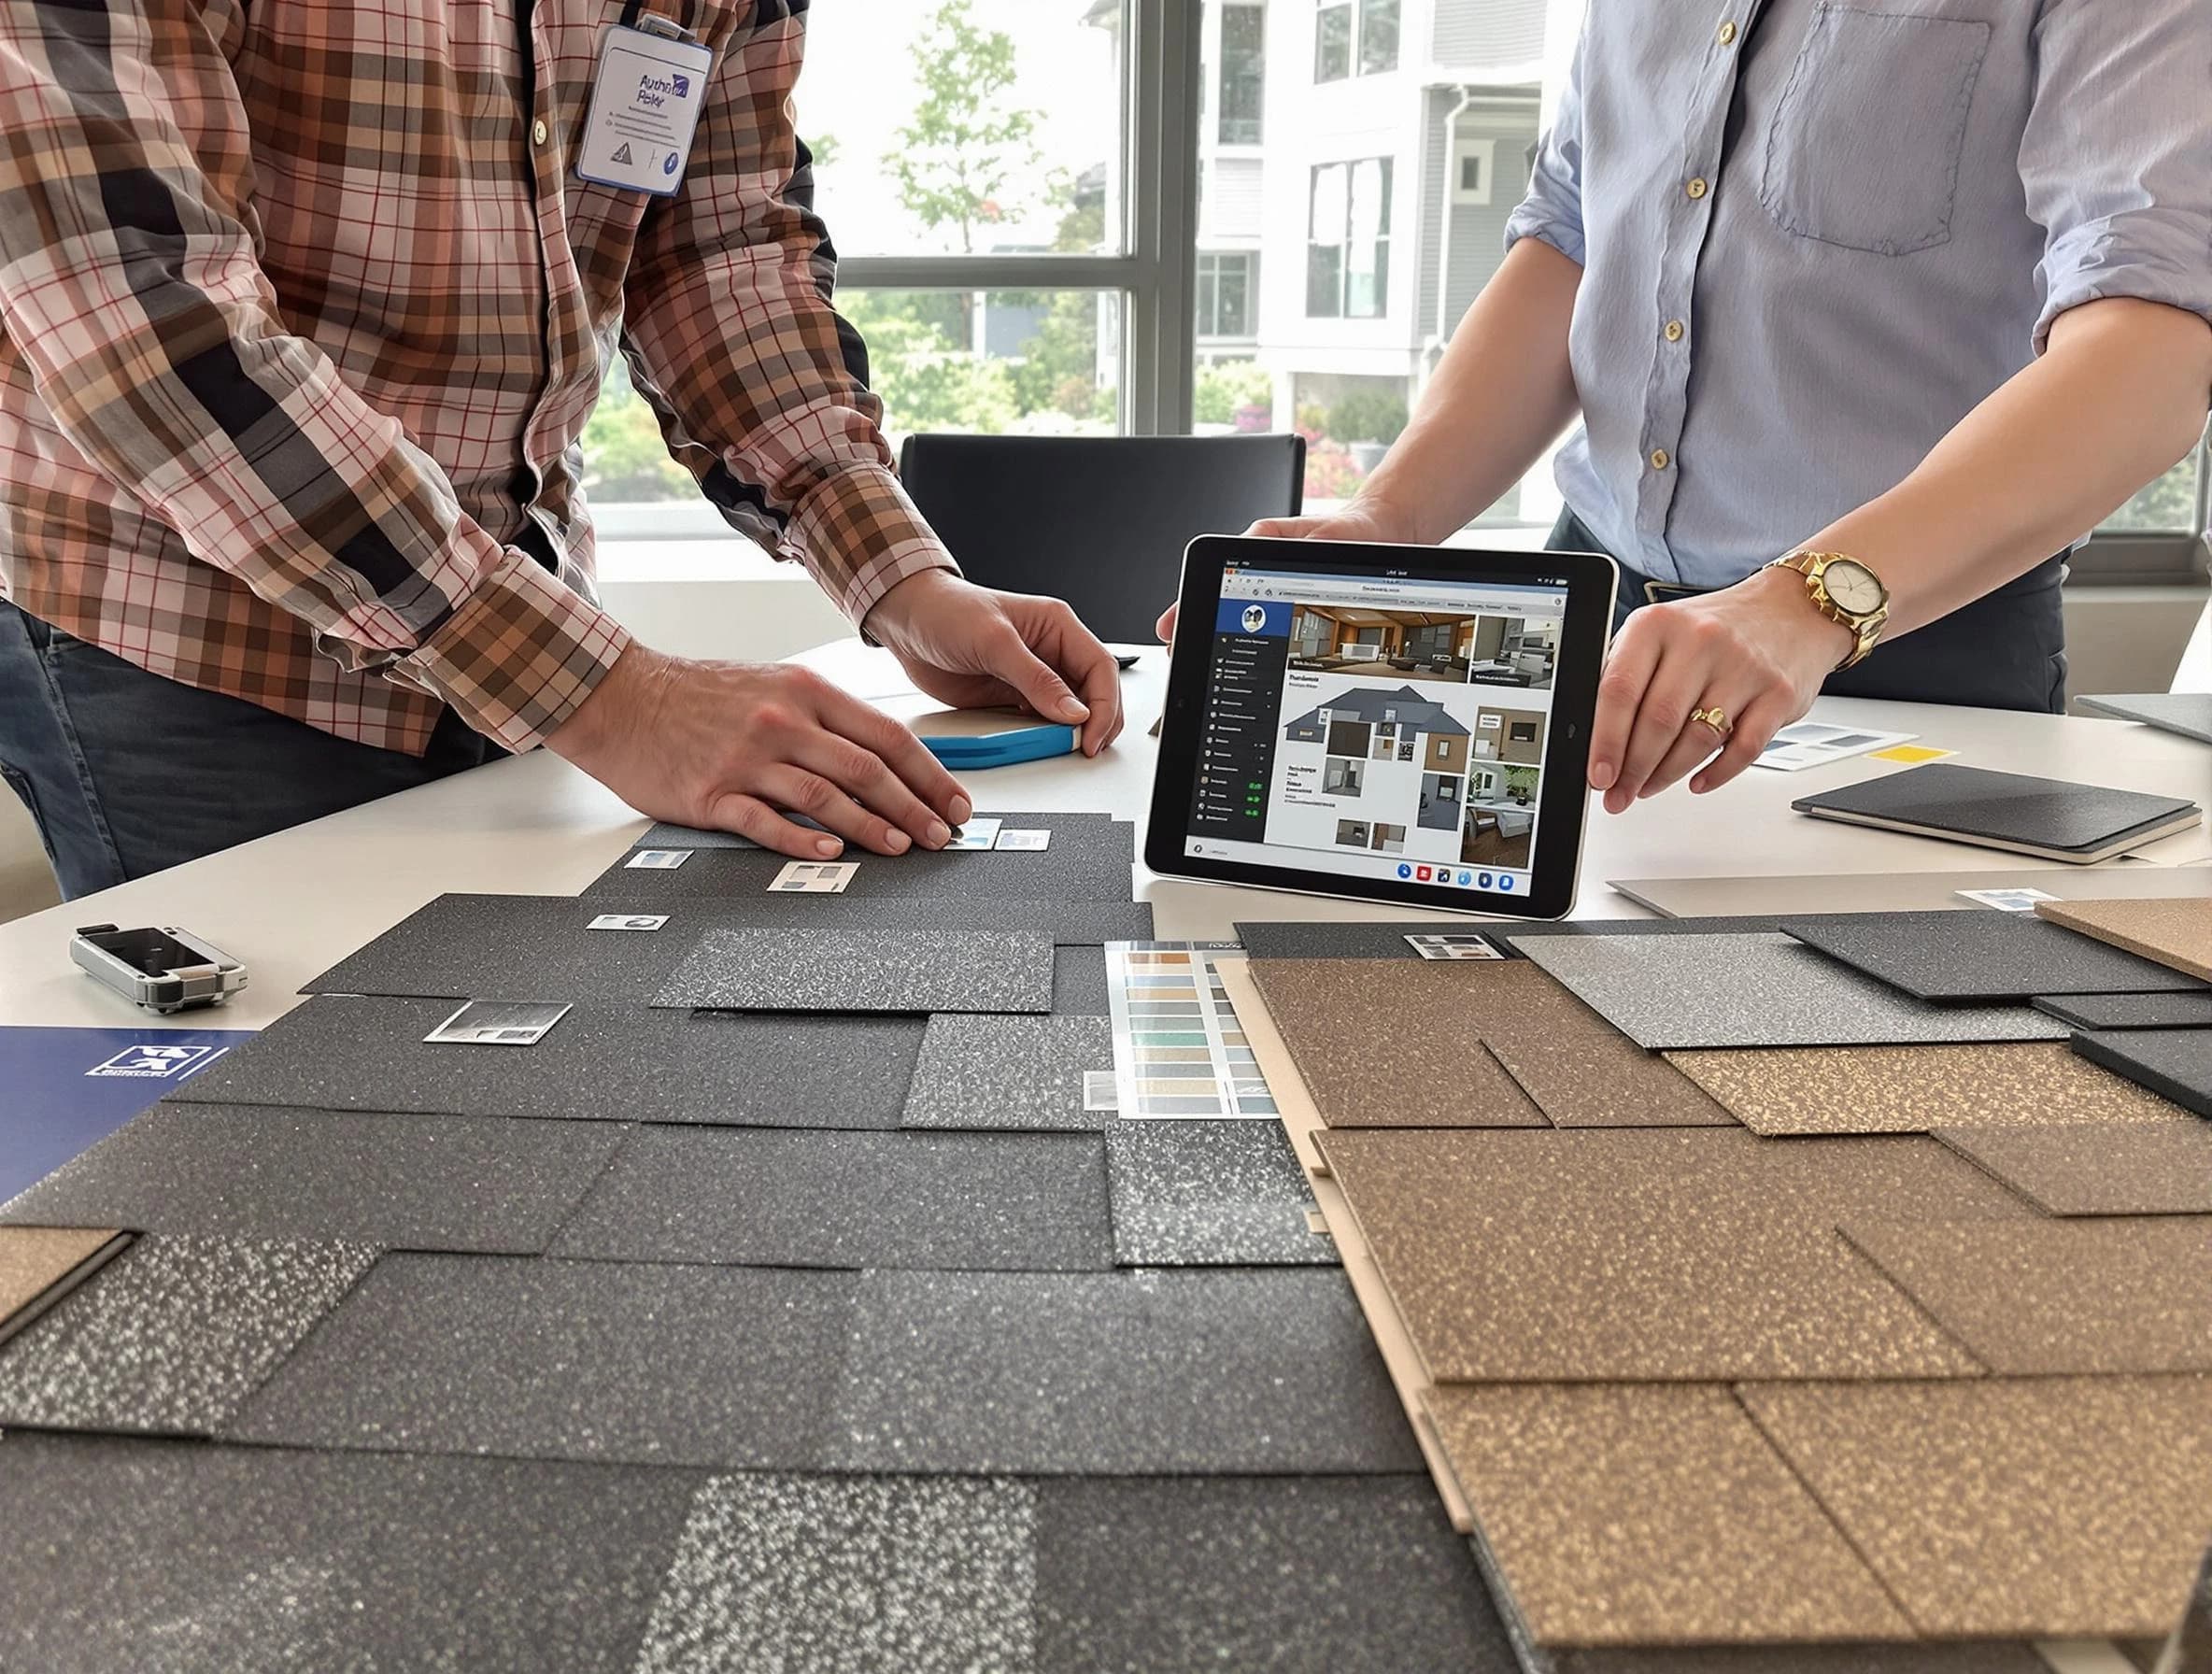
(2043, 1507)
(33, 1259)
(1628, 1254)
(2175, 933)
(2158, 1168)
(1910, 1089)
(1597, 1077)
(1651, 1514)
(2038, 1297)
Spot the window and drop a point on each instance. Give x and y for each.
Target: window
(1378, 36)
(1336, 55)
(1473, 161)
(1348, 241)
(1244, 73)
(1332, 40)
(1225, 294)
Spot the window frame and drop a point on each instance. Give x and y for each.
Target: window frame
(1386, 167)
(1220, 90)
(1209, 296)
(1357, 66)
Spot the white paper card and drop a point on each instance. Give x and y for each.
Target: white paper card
(497, 1023)
(1815, 743)
(1030, 840)
(815, 877)
(1453, 948)
(657, 859)
(1099, 1092)
(977, 833)
(2005, 900)
(645, 109)
(628, 921)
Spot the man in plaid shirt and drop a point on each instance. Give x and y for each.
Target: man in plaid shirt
(303, 303)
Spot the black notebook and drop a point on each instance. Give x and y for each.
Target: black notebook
(2048, 817)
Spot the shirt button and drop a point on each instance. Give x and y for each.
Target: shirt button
(1728, 35)
(1660, 459)
(1696, 188)
(1674, 331)
(539, 132)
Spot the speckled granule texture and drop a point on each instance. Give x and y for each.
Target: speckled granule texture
(1690, 991)
(1595, 1076)
(1651, 1253)
(1079, 980)
(2129, 1011)
(174, 1333)
(2174, 1063)
(1989, 956)
(2174, 932)
(2058, 1508)
(1651, 1514)
(1009, 1072)
(1333, 939)
(2160, 1168)
(1183, 1372)
(771, 1197)
(864, 971)
(1210, 1194)
(35, 1258)
(2046, 1296)
(1911, 1089)
(851, 1575)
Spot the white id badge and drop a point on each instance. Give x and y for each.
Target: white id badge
(645, 109)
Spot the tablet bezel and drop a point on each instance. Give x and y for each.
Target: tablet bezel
(1563, 803)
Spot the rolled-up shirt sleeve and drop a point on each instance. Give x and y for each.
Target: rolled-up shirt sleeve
(1552, 211)
(2116, 156)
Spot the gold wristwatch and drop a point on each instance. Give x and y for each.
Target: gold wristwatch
(1847, 592)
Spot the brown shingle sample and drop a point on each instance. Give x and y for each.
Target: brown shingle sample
(1910, 1089)
(2176, 932)
(2041, 1297)
(1651, 1514)
(2158, 1168)
(34, 1259)
(1597, 1077)
(2043, 1507)
(1628, 1254)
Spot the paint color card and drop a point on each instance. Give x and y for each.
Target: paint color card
(1179, 1051)
(657, 859)
(497, 1023)
(2005, 900)
(978, 833)
(1024, 839)
(1815, 743)
(1912, 755)
(815, 877)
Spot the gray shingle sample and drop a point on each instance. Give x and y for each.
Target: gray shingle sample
(422, 1183)
(786, 1198)
(606, 1061)
(1210, 1194)
(1326, 939)
(2174, 1063)
(865, 971)
(1977, 803)
(1989, 958)
(1685, 992)
(851, 1575)
(193, 1559)
(664, 835)
(172, 1334)
(1079, 981)
(2129, 1011)
(2187, 714)
(1268, 1371)
(1023, 1074)
(529, 1359)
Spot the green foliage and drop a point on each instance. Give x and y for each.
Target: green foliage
(624, 458)
(1365, 416)
(969, 154)
(1225, 387)
(2164, 506)
(926, 383)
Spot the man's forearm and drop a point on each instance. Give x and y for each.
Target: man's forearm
(2118, 398)
(1502, 394)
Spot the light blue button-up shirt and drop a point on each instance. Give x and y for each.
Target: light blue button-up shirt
(1816, 235)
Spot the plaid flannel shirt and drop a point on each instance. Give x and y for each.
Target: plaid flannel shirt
(304, 308)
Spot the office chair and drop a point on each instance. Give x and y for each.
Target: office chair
(1101, 521)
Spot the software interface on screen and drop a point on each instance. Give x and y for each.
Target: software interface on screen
(1378, 727)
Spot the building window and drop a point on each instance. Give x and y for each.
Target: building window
(1348, 241)
(1225, 294)
(1337, 54)
(1378, 36)
(1244, 73)
(1473, 161)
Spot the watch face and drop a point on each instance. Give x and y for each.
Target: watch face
(1853, 586)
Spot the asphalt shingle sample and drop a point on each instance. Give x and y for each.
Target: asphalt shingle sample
(604, 1061)
(1973, 803)
(2160, 1168)
(419, 1183)
(1009, 1072)
(2129, 1011)
(1321, 1575)
(1267, 1372)
(664, 835)
(851, 1575)
(730, 1367)
(865, 971)
(1322, 939)
(1749, 924)
(208, 1560)
(172, 1334)
(2174, 1063)
(1985, 958)
(1210, 1194)
(772, 1197)
(1689, 992)
(1079, 981)
(37, 1261)
(2187, 714)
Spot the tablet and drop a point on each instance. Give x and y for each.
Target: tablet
(1400, 724)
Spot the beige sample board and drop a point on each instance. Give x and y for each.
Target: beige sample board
(2175, 929)
(38, 1266)
(1899, 892)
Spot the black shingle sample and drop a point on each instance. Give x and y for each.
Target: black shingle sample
(1983, 957)
(193, 1559)
(1210, 1194)
(604, 1061)
(2129, 1011)
(775, 1198)
(1079, 981)
(2174, 1063)
(1331, 1575)
(486, 1184)
(172, 1334)
(865, 971)
(529, 1358)
(1324, 939)
(1268, 1371)
(1974, 803)
(1023, 1074)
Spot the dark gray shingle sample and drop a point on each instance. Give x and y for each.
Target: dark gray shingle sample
(173, 1334)
(2187, 714)
(1079, 981)
(2174, 1063)
(1024, 1073)
(1977, 803)
(1331, 1575)
(1210, 1194)
(851, 1575)
(1326, 939)
(664, 835)
(532, 1358)
(2129, 1011)
(604, 1061)
(1268, 1371)
(1989, 958)
(193, 1559)
(487, 1184)
(788, 1198)
(865, 971)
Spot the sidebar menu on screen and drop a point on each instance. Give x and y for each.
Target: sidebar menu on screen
(1237, 732)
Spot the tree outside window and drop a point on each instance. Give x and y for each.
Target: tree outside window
(1355, 37)
(1332, 41)
(1244, 73)
(1378, 36)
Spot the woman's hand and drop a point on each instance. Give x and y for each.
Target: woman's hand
(1757, 652)
(1364, 519)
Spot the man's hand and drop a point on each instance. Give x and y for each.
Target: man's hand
(1363, 519)
(974, 648)
(724, 745)
(1757, 651)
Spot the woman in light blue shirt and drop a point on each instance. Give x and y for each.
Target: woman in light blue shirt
(1927, 288)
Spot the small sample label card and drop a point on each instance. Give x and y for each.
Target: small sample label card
(1912, 755)
(498, 1023)
(628, 921)
(977, 833)
(657, 859)
(1099, 1092)
(1814, 743)
(1030, 840)
(1453, 948)
(815, 877)
(2005, 900)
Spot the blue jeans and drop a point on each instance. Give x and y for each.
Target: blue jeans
(126, 772)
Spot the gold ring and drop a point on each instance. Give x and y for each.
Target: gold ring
(1716, 717)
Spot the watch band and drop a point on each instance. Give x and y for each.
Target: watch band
(1866, 628)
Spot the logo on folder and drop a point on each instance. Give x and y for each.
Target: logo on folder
(152, 1061)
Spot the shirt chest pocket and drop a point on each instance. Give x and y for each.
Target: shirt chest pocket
(1863, 148)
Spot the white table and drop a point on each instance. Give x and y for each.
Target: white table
(294, 904)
